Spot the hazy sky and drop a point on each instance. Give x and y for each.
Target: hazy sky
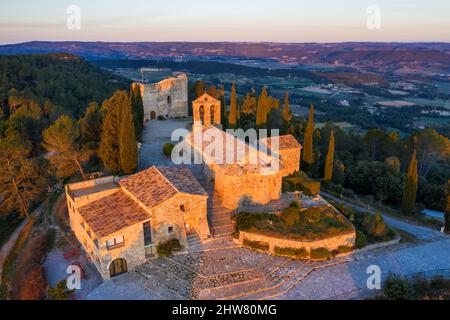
(230, 20)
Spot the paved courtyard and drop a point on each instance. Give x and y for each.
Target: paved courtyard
(156, 134)
(221, 270)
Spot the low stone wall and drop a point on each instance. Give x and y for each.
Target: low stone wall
(332, 243)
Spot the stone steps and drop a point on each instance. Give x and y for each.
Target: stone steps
(223, 231)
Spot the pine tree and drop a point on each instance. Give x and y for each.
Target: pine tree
(308, 155)
(262, 110)
(62, 139)
(232, 115)
(127, 141)
(109, 139)
(91, 125)
(329, 162)
(410, 188)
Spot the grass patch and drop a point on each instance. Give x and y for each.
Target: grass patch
(321, 254)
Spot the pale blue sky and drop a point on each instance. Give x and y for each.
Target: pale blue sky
(230, 20)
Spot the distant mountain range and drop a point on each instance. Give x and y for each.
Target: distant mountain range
(349, 53)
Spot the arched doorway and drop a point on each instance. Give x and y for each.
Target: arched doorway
(153, 115)
(118, 267)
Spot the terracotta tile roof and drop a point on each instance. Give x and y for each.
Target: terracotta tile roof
(112, 213)
(149, 186)
(218, 154)
(285, 142)
(182, 179)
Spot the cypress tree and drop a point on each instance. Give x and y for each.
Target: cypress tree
(232, 115)
(261, 111)
(109, 138)
(287, 116)
(308, 155)
(329, 160)
(137, 106)
(91, 125)
(447, 209)
(410, 188)
(127, 141)
(223, 108)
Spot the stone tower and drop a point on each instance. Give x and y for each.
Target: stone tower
(206, 110)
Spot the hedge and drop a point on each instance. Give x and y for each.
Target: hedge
(321, 254)
(298, 253)
(258, 245)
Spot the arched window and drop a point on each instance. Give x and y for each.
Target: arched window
(212, 114)
(201, 111)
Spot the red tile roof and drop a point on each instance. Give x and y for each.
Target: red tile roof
(112, 213)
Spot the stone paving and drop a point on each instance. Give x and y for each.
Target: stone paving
(156, 134)
(215, 272)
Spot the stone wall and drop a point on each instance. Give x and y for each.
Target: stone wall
(195, 215)
(331, 243)
(168, 98)
(290, 161)
(238, 190)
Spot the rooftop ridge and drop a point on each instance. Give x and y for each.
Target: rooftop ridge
(165, 178)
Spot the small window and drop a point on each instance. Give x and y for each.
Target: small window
(170, 230)
(147, 233)
(182, 208)
(82, 224)
(116, 242)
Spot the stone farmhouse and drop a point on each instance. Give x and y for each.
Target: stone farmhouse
(167, 98)
(120, 221)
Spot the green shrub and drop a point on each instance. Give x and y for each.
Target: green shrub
(165, 248)
(167, 149)
(161, 118)
(375, 226)
(297, 253)
(361, 240)
(321, 254)
(290, 216)
(313, 215)
(308, 185)
(60, 292)
(258, 245)
(247, 220)
(397, 288)
(344, 249)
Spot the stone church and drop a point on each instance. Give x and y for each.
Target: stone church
(167, 98)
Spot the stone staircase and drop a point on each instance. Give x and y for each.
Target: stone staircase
(219, 218)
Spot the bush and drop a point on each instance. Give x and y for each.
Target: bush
(60, 292)
(321, 254)
(397, 288)
(167, 149)
(313, 215)
(161, 117)
(247, 220)
(290, 216)
(297, 253)
(375, 226)
(361, 240)
(258, 245)
(165, 248)
(344, 249)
